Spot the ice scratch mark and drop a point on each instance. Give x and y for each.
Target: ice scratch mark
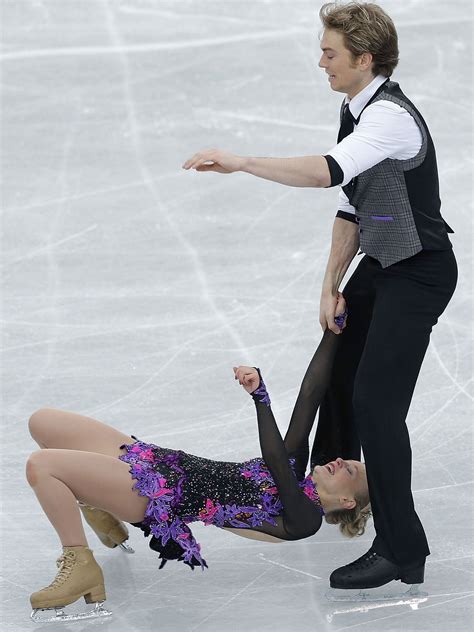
(401, 614)
(226, 603)
(445, 369)
(8, 581)
(450, 559)
(119, 48)
(254, 118)
(290, 568)
(417, 435)
(188, 247)
(87, 194)
(447, 441)
(187, 16)
(48, 247)
(432, 489)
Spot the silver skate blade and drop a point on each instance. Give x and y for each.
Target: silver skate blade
(126, 548)
(61, 616)
(383, 593)
(375, 598)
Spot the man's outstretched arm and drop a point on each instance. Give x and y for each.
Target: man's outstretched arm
(301, 171)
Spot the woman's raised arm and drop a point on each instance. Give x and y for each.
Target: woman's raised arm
(301, 516)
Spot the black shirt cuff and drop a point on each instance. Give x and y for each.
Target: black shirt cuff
(349, 216)
(337, 175)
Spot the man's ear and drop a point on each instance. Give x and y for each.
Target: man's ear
(365, 61)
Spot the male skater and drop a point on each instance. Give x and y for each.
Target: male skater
(389, 207)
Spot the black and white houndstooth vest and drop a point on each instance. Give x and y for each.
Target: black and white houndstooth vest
(397, 201)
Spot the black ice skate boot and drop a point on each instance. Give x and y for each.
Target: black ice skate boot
(370, 578)
(372, 570)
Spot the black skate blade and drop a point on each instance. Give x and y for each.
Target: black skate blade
(367, 599)
(61, 616)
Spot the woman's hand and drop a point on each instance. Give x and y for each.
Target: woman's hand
(341, 307)
(330, 307)
(215, 160)
(248, 377)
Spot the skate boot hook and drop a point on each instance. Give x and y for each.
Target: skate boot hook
(110, 530)
(79, 576)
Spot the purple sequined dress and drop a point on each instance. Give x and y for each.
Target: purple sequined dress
(184, 488)
(269, 494)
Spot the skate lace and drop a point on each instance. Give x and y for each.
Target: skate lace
(65, 563)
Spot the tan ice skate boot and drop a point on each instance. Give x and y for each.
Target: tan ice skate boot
(79, 576)
(110, 530)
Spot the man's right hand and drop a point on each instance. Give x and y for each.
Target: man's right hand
(330, 307)
(215, 160)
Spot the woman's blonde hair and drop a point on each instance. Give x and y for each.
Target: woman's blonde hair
(352, 522)
(366, 28)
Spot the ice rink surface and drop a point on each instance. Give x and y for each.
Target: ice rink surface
(131, 287)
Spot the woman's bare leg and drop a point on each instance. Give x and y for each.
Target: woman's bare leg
(60, 477)
(52, 428)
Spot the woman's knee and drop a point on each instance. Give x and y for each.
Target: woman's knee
(36, 463)
(38, 419)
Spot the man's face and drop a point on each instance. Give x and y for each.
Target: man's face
(345, 74)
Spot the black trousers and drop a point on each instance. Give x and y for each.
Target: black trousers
(391, 313)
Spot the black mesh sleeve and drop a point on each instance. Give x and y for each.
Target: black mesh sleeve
(301, 517)
(312, 390)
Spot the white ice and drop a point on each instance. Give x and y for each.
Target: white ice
(131, 287)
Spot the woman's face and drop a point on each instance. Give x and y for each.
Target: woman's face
(341, 479)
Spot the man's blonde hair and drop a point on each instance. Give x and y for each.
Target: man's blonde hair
(366, 28)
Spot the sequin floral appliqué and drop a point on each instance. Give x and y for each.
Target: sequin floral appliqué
(160, 515)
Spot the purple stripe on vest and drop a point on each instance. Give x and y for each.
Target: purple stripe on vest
(383, 218)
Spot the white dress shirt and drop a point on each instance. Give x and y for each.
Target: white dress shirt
(385, 130)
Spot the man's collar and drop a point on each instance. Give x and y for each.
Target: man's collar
(357, 104)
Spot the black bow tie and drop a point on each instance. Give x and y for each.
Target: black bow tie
(347, 124)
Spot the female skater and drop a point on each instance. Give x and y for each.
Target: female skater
(266, 498)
